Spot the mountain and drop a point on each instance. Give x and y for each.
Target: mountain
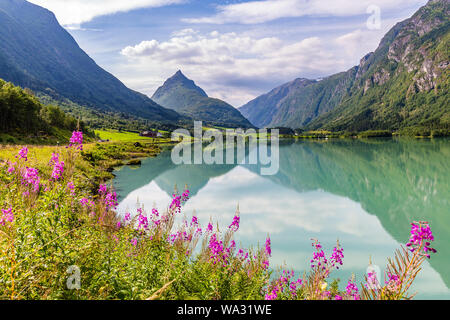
(37, 53)
(404, 83)
(296, 103)
(184, 96)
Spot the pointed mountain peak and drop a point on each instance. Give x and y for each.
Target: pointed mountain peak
(179, 75)
(176, 83)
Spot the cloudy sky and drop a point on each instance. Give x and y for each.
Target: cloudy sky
(236, 49)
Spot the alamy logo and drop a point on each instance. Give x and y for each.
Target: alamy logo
(374, 21)
(74, 280)
(263, 147)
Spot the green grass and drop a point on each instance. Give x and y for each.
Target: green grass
(114, 135)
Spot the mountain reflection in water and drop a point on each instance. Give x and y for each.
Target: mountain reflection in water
(364, 193)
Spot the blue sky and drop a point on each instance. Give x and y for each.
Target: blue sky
(235, 50)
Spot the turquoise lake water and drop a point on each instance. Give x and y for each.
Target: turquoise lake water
(364, 193)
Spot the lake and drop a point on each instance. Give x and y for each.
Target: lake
(363, 192)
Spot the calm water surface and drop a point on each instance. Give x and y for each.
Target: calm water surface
(364, 193)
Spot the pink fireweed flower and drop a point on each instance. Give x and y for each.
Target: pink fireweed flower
(284, 284)
(337, 297)
(293, 286)
(271, 296)
(185, 196)
(421, 237)
(7, 216)
(102, 190)
(142, 222)
(30, 177)
(352, 290)
(209, 228)
(23, 154)
(372, 281)
(393, 282)
(176, 203)
(58, 170)
(268, 249)
(234, 226)
(155, 212)
(77, 140)
(54, 159)
(337, 256)
(319, 259)
(216, 248)
(111, 200)
(85, 202)
(11, 167)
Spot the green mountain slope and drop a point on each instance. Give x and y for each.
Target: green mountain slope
(25, 120)
(37, 53)
(182, 95)
(404, 83)
(296, 103)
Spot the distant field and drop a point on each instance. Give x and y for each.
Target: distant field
(113, 135)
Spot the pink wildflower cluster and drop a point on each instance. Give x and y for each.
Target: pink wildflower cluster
(178, 201)
(268, 249)
(11, 167)
(372, 281)
(336, 257)
(319, 259)
(421, 238)
(234, 226)
(142, 221)
(7, 216)
(393, 282)
(58, 168)
(285, 285)
(77, 140)
(23, 154)
(352, 290)
(31, 178)
(321, 262)
(109, 198)
(85, 202)
(216, 249)
(179, 236)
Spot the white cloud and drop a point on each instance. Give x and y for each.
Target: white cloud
(262, 11)
(76, 12)
(234, 67)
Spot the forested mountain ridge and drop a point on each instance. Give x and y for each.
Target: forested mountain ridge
(403, 84)
(24, 118)
(296, 103)
(37, 53)
(184, 96)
